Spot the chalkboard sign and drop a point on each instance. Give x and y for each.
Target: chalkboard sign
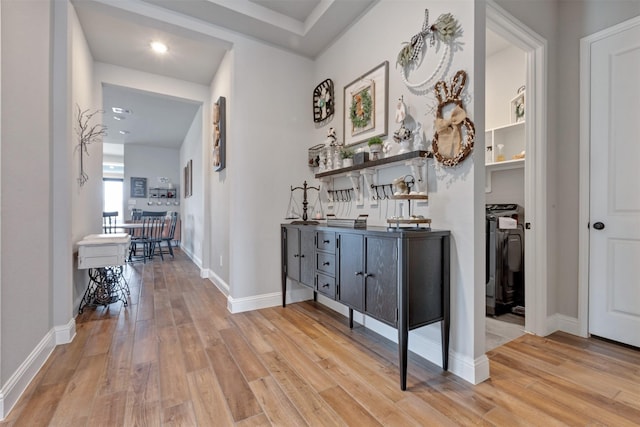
(138, 187)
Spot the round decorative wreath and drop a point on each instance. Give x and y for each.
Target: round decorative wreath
(444, 30)
(366, 102)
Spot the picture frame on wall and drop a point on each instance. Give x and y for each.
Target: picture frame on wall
(188, 179)
(219, 134)
(138, 187)
(366, 106)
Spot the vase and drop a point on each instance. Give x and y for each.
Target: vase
(375, 150)
(347, 163)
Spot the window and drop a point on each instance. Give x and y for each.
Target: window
(113, 200)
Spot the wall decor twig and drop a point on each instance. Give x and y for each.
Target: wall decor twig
(87, 134)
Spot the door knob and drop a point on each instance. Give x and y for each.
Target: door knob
(598, 225)
(359, 273)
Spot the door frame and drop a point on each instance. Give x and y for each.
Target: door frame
(535, 173)
(585, 167)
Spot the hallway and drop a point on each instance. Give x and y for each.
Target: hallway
(176, 356)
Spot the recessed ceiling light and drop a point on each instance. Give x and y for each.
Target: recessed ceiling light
(159, 47)
(119, 117)
(124, 132)
(119, 110)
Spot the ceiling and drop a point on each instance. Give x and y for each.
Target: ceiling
(118, 33)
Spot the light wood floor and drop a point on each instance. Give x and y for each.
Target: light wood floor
(176, 356)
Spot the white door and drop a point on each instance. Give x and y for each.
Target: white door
(614, 234)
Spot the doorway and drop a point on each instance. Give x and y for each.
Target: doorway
(505, 120)
(534, 164)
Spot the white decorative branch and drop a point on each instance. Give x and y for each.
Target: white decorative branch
(87, 134)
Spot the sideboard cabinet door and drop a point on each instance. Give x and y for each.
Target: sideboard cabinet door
(381, 279)
(351, 270)
(300, 254)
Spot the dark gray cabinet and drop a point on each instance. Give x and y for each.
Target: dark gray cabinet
(399, 276)
(367, 279)
(299, 255)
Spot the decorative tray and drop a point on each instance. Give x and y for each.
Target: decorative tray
(359, 222)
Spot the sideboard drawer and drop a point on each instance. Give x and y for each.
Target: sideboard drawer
(326, 241)
(326, 263)
(327, 285)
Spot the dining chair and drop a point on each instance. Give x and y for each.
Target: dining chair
(170, 234)
(155, 229)
(147, 238)
(136, 214)
(152, 213)
(109, 222)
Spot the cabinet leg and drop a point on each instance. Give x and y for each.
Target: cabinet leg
(403, 341)
(445, 344)
(350, 318)
(284, 290)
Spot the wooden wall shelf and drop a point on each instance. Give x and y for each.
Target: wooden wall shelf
(376, 163)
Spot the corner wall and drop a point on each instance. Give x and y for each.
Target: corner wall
(25, 198)
(267, 145)
(220, 189)
(456, 195)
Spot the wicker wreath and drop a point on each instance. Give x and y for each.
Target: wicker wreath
(454, 136)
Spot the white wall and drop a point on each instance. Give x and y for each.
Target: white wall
(219, 189)
(84, 214)
(165, 162)
(192, 239)
(505, 73)
(26, 203)
(453, 197)
(25, 171)
(267, 143)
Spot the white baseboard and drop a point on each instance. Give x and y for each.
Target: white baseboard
(66, 333)
(218, 282)
(18, 382)
(238, 305)
(197, 261)
(561, 322)
(474, 371)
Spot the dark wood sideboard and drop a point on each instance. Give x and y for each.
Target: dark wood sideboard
(399, 277)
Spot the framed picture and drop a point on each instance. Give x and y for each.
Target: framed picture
(138, 187)
(219, 136)
(188, 179)
(365, 106)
